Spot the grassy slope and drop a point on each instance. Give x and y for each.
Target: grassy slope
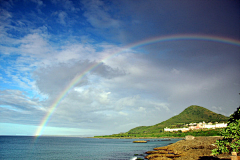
(191, 114)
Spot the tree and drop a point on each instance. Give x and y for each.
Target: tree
(231, 136)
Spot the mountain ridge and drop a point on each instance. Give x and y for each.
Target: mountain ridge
(193, 113)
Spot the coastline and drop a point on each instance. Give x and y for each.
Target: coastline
(138, 137)
(200, 148)
(197, 149)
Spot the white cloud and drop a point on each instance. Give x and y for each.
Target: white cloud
(61, 17)
(18, 99)
(38, 2)
(141, 109)
(66, 4)
(34, 45)
(5, 15)
(175, 71)
(123, 113)
(98, 16)
(17, 107)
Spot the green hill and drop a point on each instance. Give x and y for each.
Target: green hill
(192, 114)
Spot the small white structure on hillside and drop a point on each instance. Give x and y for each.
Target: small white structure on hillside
(176, 129)
(201, 125)
(221, 125)
(217, 125)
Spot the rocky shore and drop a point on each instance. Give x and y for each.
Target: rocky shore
(196, 148)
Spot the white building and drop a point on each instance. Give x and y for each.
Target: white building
(200, 125)
(175, 129)
(217, 125)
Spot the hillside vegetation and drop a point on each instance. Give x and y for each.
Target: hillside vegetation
(192, 114)
(189, 115)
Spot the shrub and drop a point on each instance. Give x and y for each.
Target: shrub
(231, 136)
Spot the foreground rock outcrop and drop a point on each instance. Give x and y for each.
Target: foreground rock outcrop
(198, 148)
(139, 141)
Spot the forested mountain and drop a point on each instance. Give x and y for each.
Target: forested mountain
(192, 114)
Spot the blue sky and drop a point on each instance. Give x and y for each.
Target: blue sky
(45, 44)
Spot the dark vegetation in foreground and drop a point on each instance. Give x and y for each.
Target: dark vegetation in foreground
(231, 136)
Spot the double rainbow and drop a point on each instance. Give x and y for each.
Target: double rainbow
(75, 80)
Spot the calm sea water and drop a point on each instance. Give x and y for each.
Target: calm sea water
(71, 148)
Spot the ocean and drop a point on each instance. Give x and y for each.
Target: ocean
(74, 148)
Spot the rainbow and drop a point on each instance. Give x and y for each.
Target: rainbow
(75, 80)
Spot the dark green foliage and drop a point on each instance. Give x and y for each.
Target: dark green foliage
(231, 135)
(235, 116)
